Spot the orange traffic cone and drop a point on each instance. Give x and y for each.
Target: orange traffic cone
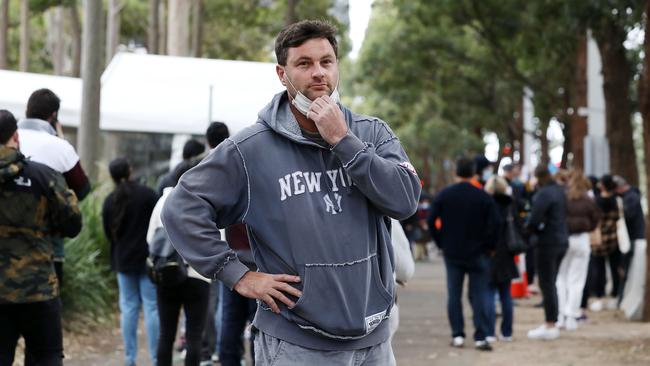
(519, 285)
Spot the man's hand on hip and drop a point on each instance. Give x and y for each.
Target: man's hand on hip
(268, 288)
(329, 119)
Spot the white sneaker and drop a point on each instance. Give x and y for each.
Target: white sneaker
(491, 339)
(505, 339)
(561, 321)
(458, 342)
(596, 306)
(571, 324)
(544, 333)
(612, 304)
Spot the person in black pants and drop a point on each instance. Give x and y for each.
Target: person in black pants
(469, 220)
(192, 295)
(547, 222)
(237, 310)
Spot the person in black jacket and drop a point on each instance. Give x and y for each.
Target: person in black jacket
(547, 223)
(125, 215)
(468, 219)
(502, 265)
(634, 220)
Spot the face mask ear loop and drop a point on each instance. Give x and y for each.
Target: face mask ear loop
(286, 74)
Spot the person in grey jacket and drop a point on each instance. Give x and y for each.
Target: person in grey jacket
(314, 183)
(548, 225)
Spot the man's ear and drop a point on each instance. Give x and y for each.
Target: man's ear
(281, 74)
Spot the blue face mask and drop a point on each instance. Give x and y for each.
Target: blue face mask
(302, 103)
(487, 174)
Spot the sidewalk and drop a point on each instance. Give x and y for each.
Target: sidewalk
(423, 337)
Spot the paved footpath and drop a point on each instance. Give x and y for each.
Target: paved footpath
(423, 337)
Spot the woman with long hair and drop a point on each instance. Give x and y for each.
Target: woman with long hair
(125, 216)
(583, 216)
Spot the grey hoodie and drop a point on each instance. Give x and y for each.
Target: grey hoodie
(313, 212)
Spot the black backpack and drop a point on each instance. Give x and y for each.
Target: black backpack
(165, 266)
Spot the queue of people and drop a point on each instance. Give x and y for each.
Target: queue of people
(324, 174)
(570, 224)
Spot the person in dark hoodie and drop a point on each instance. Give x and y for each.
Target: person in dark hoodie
(469, 220)
(547, 223)
(502, 264)
(314, 183)
(36, 204)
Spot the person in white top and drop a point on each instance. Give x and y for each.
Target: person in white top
(41, 140)
(192, 295)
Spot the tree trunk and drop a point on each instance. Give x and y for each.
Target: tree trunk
(178, 28)
(23, 63)
(197, 28)
(113, 28)
(91, 72)
(4, 31)
(75, 24)
(616, 83)
(162, 29)
(153, 25)
(56, 38)
(291, 16)
(578, 129)
(644, 106)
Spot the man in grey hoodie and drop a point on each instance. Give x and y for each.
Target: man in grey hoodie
(315, 184)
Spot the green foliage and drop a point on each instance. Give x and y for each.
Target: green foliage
(246, 29)
(89, 290)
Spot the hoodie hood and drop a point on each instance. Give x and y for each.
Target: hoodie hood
(11, 163)
(277, 115)
(36, 125)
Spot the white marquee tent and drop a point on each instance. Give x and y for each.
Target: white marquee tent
(158, 94)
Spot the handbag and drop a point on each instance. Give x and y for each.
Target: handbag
(622, 235)
(514, 241)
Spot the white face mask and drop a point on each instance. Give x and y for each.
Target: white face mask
(302, 103)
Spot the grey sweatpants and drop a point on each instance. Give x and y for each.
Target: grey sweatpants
(270, 351)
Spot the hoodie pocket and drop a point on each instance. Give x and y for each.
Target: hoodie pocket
(342, 300)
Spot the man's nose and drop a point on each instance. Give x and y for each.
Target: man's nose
(318, 71)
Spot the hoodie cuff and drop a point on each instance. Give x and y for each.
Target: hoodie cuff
(232, 272)
(349, 148)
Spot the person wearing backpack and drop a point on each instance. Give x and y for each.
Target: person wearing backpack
(125, 216)
(184, 288)
(502, 265)
(583, 216)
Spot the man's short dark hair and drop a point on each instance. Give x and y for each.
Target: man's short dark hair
(8, 125)
(465, 167)
(192, 148)
(216, 133)
(296, 34)
(543, 175)
(42, 103)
